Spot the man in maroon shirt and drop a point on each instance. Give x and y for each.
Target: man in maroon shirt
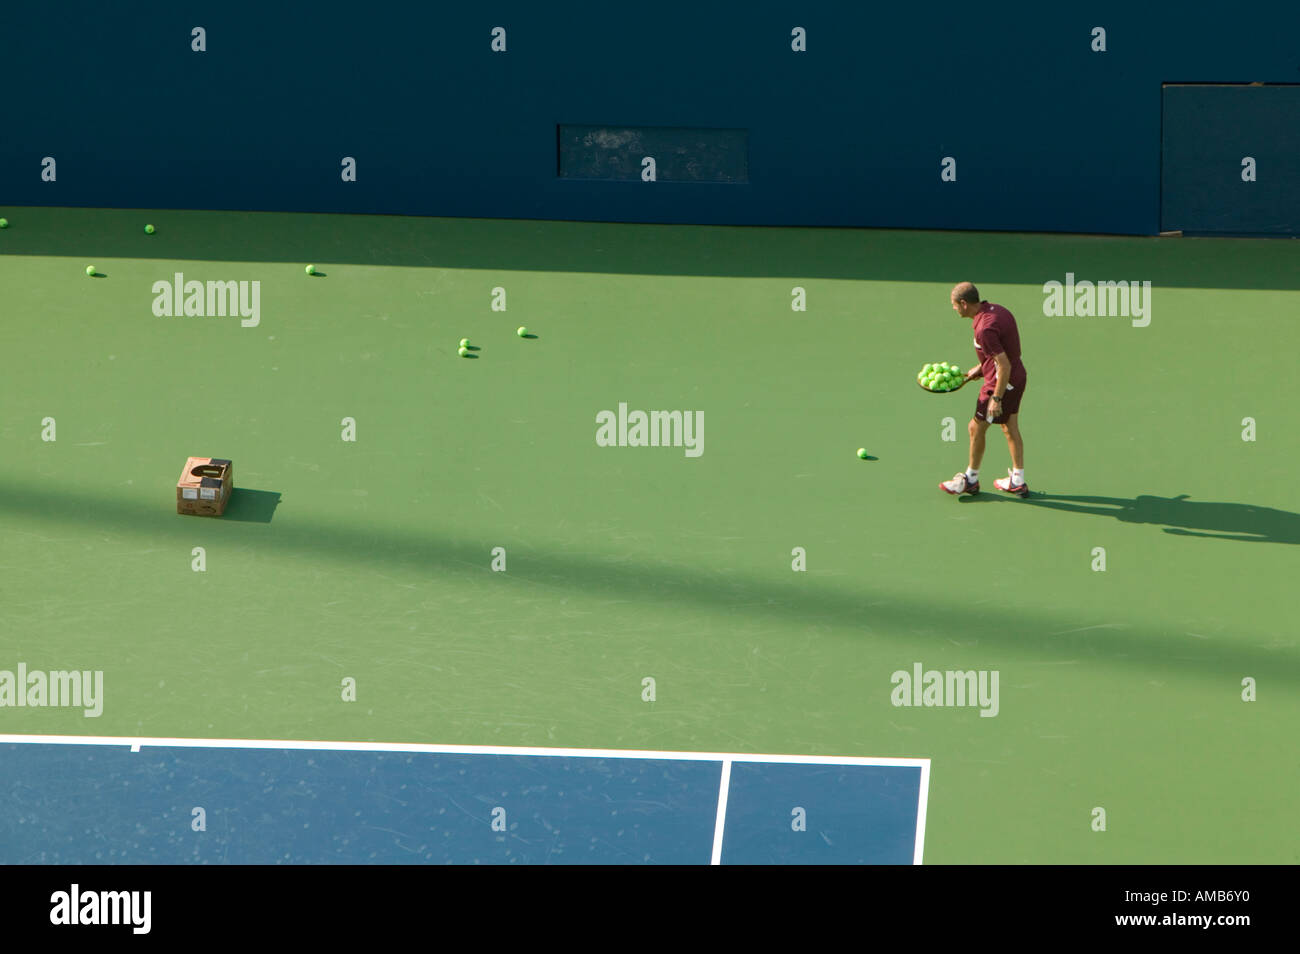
(997, 345)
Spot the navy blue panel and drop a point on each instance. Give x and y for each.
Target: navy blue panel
(1209, 134)
(90, 804)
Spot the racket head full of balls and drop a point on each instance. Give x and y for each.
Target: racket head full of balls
(941, 377)
(957, 387)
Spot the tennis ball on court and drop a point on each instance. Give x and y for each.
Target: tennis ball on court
(4, 223)
(522, 332)
(311, 269)
(90, 269)
(862, 452)
(464, 342)
(462, 351)
(148, 230)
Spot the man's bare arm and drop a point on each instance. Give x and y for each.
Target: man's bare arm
(1004, 373)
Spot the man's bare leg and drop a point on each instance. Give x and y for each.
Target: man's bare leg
(1014, 441)
(977, 430)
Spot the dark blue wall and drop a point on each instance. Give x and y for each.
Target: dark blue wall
(1047, 134)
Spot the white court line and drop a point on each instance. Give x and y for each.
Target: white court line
(726, 758)
(723, 788)
(920, 812)
(155, 742)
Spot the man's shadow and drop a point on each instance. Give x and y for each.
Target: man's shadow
(1185, 517)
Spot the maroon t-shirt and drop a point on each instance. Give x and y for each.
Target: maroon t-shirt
(996, 333)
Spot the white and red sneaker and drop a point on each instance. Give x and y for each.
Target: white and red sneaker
(960, 485)
(1005, 484)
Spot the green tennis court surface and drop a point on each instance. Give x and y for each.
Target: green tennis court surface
(372, 559)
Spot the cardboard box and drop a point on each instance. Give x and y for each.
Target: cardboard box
(205, 486)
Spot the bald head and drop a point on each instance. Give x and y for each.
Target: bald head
(965, 299)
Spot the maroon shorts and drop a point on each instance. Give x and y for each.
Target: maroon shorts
(1010, 404)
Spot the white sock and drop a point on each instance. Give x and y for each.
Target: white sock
(1017, 476)
(972, 475)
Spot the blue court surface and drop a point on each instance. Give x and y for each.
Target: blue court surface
(178, 801)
